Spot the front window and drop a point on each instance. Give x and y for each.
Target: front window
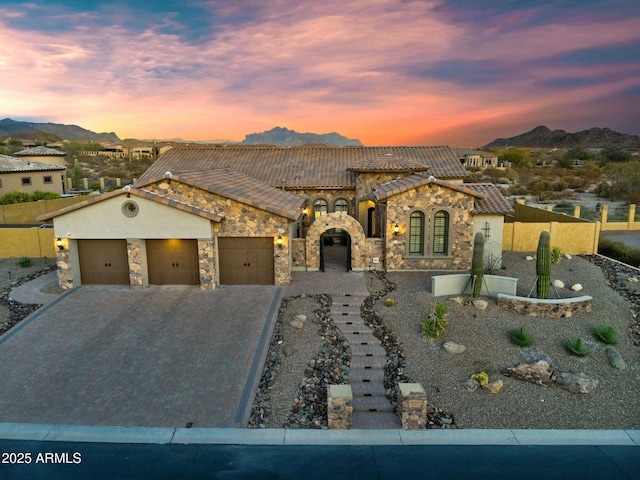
(341, 205)
(320, 207)
(416, 223)
(440, 232)
(48, 179)
(26, 180)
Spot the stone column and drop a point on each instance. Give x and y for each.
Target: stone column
(206, 261)
(134, 255)
(65, 274)
(412, 406)
(339, 407)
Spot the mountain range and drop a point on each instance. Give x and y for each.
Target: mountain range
(543, 137)
(284, 136)
(16, 129)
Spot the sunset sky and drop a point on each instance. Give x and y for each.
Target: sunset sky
(388, 72)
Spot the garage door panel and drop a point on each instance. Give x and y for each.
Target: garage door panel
(246, 260)
(173, 262)
(103, 262)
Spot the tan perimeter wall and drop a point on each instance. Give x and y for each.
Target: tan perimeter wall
(27, 242)
(26, 213)
(572, 238)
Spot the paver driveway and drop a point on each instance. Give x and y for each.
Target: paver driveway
(161, 357)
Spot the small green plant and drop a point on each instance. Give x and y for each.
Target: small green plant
(520, 337)
(556, 255)
(389, 302)
(482, 378)
(436, 323)
(24, 262)
(576, 347)
(606, 334)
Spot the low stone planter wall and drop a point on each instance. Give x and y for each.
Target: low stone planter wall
(552, 308)
(454, 284)
(339, 407)
(412, 406)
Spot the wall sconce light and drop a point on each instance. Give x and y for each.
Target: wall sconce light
(305, 211)
(279, 241)
(59, 244)
(396, 230)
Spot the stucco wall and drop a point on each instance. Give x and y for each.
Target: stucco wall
(12, 182)
(492, 245)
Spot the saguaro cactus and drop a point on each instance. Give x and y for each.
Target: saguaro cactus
(477, 265)
(543, 265)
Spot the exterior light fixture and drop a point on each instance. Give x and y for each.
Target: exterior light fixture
(396, 230)
(59, 244)
(305, 211)
(279, 241)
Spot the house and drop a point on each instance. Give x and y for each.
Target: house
(43, 155)
(478, 158)
(17, 174)
(220, 215)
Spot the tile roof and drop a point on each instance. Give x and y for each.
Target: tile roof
(41, 152)
(138, 192)
(305, 167)
(401, 185)
(493, 201)
(390, 162)
(242, 188)
(12, 164)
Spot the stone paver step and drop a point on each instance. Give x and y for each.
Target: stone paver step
(368, 362)
(342, 310)
(350, 320)
(365, 389)
(371, 404)
(367, 350)
(350, 299)
(374, 420)
(366, 375)
(360, 338)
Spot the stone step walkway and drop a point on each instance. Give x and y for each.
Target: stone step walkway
(371, 409)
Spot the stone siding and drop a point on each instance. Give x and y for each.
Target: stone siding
(366, 182)
(207, 264)
(339, 407)
(375, 249)
(430, 199)
(134, 253)
(412, 406)
(298, 253)
(241, 220)
(65, 273)
(550, 308)
(330, 196)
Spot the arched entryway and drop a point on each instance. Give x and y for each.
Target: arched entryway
(330, 222)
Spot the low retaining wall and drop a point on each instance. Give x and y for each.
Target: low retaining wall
(552, 308)
(454, 284)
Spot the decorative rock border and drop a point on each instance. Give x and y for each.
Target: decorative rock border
(553, 308)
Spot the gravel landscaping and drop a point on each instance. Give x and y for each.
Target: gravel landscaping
(613, 404)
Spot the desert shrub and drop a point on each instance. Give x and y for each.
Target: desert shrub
(577, 347)
(606, 334)
(520, 337)
(436, 323)
(389, 302)
(556, 255)
(40, 195)
(482, 378)
(24, 262)
(620, 251)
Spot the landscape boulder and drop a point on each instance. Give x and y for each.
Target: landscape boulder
(615, 359)
(454, 348)
(576, 382)
(539, 372)
(558, 283)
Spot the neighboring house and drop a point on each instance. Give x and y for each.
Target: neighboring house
(17, 174)
(216, 215)
(477, 158)
(43, 155)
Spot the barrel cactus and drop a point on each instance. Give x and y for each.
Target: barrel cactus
(543, 265)
(477, 265)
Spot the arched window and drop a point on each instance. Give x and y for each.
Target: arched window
(341, 205)
(320, 207)
(440, 232)
(416, 233)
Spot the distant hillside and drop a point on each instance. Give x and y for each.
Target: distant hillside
(542, 137)
(12, 128)
(284, 136)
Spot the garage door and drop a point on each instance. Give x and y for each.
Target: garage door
(173, 262)
(246, 261)
(103, 262)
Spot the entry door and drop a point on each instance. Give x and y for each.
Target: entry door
(173, 262)
(103, 262)
(246, 260)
